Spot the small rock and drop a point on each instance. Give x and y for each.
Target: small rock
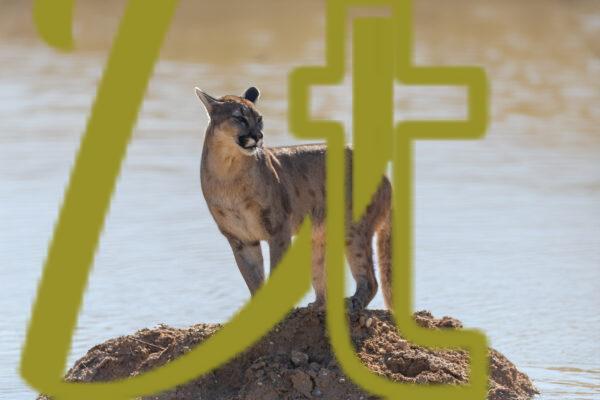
(302, 382)
(323, 372)
(369, 322)
(323, 380)
(299, 358)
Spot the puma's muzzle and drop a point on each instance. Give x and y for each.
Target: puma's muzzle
(251, 141)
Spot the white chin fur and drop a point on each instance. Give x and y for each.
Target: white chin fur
(249, 150)
(252, 146)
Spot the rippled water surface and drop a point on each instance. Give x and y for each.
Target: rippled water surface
(507, 228)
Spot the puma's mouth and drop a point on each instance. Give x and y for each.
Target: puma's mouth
(249, 143)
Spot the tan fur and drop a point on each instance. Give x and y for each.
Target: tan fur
(263, 194)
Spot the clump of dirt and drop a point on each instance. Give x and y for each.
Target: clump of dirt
(295, 360)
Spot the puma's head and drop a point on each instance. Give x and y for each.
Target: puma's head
(234, 120)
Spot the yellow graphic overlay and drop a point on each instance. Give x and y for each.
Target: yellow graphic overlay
(103, 147)
(379, 42)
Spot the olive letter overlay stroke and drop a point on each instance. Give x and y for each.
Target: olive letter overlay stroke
(382, 51)
(85, 204)
(103, 147)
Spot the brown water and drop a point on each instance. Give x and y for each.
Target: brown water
(507, 228)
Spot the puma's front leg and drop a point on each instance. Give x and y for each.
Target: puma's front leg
(277, 248)
(318, 266)
(248, 257)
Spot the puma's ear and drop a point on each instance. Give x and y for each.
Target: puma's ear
(208, 101)
(252, 94)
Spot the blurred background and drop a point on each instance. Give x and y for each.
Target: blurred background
(507, 228)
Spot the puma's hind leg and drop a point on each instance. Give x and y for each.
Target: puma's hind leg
(359, 252)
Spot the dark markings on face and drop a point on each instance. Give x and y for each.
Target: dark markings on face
(312, 193)
(242, 113)
(254, 244)
(297, 191)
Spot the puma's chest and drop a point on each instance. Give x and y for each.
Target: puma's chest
(239, 215)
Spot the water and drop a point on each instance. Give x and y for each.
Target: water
(507, 228)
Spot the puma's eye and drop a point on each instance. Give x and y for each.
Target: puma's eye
(241, 120)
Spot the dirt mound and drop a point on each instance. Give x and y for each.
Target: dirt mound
(295, 361)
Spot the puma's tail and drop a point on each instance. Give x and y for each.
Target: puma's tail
(384, 253)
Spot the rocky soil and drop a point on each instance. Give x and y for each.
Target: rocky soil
(295, 361)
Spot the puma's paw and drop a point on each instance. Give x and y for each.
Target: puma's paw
(317, 305)
(354, 305)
